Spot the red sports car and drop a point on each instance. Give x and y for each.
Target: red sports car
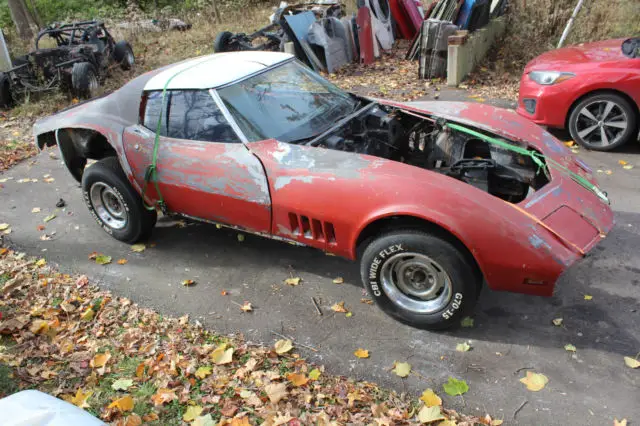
(593, 90)
(433, 199)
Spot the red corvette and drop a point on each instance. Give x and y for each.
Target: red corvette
(433, 199)
(593, 90)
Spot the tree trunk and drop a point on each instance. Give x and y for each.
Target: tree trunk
(35, 15)
(22, 18)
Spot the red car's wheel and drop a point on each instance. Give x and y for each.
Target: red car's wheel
(114, 204)
(602, 122)
(419, 278)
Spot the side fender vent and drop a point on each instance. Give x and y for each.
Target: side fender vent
(312, 229)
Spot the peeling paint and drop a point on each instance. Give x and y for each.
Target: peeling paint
(283, 181)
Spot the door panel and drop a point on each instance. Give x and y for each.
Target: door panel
(222, 182)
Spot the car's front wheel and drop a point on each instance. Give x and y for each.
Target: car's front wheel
(123, 54)
(84, 80)
(421, 279)
(603, 121)
(114, 204)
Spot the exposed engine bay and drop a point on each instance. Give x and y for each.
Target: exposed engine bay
(422, 141)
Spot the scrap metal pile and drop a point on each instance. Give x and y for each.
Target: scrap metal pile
(321, 35)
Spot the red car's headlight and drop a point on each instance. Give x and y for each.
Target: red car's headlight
(547, 78)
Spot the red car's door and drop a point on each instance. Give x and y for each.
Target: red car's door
(203, 169)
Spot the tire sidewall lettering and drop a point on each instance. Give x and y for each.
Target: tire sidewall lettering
(373, 270)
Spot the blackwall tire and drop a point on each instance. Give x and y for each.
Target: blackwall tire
(123, 54)
(588, 123)
(84, 80)
(114, 203)
(221, 43)
(421, 279)
(6, 97)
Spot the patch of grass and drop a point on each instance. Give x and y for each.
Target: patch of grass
(172, 413)
(127, 366)
(8, 384)
(4, 278)
(146, 390)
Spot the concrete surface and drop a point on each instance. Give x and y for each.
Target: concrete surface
(511, 334)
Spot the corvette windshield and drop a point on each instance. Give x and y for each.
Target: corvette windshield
(287, 103)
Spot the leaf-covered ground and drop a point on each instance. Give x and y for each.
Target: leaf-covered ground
(129, 365)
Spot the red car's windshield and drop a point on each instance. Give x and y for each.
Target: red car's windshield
(287, 103)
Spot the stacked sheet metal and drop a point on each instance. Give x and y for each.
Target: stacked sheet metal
(430, 48)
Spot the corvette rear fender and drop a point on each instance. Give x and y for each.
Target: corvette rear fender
(77, 145)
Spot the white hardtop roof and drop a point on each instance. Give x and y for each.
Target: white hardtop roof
(211, 71)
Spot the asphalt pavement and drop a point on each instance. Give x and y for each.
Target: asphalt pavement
(512, 333)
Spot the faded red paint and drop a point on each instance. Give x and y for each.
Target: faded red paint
(598, 66)
(221, 182)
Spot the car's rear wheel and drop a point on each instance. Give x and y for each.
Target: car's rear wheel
(603, 121)
(421, 279)
(222, 43)
(84, 80)
(123, 54)
(6, 97)
(114, 204)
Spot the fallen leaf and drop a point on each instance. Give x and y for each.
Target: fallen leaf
(35, 210)
(222, 355)
(82, 281)
(628, 166)
(162, 396)
(4, 226)
(569, 347)
(361, 353)
(348, 314)
(463, 347)
(87, 315)
(622, 162)
(203, 372)
(297, 379)
(151, 417)
(122, 261)
(557, 322)
(366, 301)
(283, 346)
(100, 360)
(123, 404)
(93, 255)
(138, 248)
(401, 369)
(430, 398)
(244, 421)
(224, 293)
(187, 283)
(534, 381)
(294, 281)
(205, 420)
(41, 262)
(102, 259)
(569, 143)
(133, 420)
(192, 412)
(466, 322)
(608, 172)
(631, 362)
(241, 237)
(276, 391)
(49, 218)
(588, 297)
(49, 179)
(430, 414)
(80, 399)
(617, 422)
(338, 280)
(455, 387)
(246, 307)
(447, 423)
(339, 307)
(122, 384)
(39, 327)
(314, 374)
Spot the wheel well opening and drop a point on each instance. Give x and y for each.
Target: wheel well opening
(393, 223)
(79, 145)
(628, 98)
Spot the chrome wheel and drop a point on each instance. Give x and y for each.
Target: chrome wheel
(109, 205)
(416, 282)
(601, 123)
